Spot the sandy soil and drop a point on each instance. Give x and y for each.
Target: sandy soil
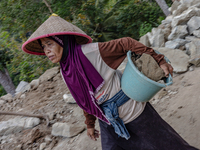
(178, 104)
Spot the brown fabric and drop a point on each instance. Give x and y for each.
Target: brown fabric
(90, 120)
(114, 51)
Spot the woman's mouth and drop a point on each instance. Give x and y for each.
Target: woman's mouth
(51, 57)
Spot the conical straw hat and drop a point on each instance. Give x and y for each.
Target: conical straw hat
(54, 25)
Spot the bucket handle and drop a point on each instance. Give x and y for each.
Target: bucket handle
(169, 80)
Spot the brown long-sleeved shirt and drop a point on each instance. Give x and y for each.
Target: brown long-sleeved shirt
(106, 58)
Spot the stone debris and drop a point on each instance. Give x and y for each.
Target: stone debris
(177, 38)
(183, 28)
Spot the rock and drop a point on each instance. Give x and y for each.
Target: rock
(178, 32)
(79, 141)
(156, 37)
(31, 136)
(49, 74)
(179, 60)
(18, 147)
(18, 95)
(194, 48)
(42, 146)
(47, 139)
(185, 16)
(176, 44)
(195, 61)
(187, 49)
(193, 24)
(180, 9)
(196, 33)
(166, 32)
(191, 2)
(51, 115)
(2, 102)
(34, 84)
(17, 124)
(31, 122)
(149, 67)
(167, 20)
(145, 40)
(174, 6)
(69, 99)
(191, 38)
(22, 87)
(8, 98)
(66, 130)
(191, 68)
(172, 45)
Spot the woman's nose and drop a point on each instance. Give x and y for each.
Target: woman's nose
(46, 50)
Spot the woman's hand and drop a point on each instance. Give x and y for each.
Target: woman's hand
(167, 68)
(93, 133)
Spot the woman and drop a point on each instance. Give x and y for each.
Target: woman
(90, 72)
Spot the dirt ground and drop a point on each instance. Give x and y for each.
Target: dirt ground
(178, 104)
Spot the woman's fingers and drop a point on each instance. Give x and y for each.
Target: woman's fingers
(93, 133)
(167, 68)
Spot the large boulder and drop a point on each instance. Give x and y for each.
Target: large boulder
(156, 37)
(175, 44)
(179, 60)
(193, 24)
(178, 32)
(23, 86)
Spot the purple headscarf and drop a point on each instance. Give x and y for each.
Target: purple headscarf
(81, 78)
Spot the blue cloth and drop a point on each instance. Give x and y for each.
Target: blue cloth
(110, 109)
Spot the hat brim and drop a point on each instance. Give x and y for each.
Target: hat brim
(37, 50)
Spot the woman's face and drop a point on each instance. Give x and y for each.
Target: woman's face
(52, 49)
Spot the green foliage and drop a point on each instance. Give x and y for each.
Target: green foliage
(103, 20)
(2, 91)
(5, 55)
(135, 14)
(19, 17)
(145, 28)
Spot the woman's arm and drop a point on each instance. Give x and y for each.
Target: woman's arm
(114, 52)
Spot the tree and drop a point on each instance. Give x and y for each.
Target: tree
(17, 20)
(103, 20)
(5, 58)
(163, 5)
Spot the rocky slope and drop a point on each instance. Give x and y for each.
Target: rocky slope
(48, 96)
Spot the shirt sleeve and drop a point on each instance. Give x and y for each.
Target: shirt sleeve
(90, 120)
(114, 52)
